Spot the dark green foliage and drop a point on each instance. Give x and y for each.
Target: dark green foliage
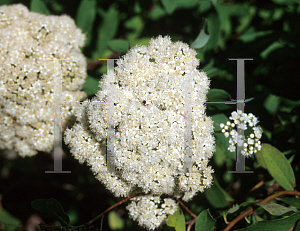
(267, 31)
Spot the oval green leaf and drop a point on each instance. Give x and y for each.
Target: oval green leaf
(218, 95)
(205, 222)
(91, 85)
(119, 45)
(107, 30)
(276, 209)
(278, 224)
(277, 165)
(110, 23)
(86, 14)
(51, 208)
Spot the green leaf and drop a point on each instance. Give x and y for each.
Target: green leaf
(115, 222)
(204, 6)
(272, 103)
(8, 222)
(288, 105)
(291, 201)
(222, 144)
(277, 165)
(217, 95)
(216, 195)
(57, 6)
(205, 222)
(202, 38)
(6, 2)
(224, 13)
(278, 224)
(276, 209)
(39, 6)
(218, 119)
(51, 208)
(171, 5)
(298, 228)
(274, 46)
(220, 157)
(234, 208)
(285, 2)
(251, 34)
(137, 8)
(171, 221)
(213, 30)
(261, 160)
(91, 85)
(227, 11)
(110, 23)
(212, 71)
(119, 45)
(157, 12)
(140, 41)
(106, 31)
(86, 14)
(135, 25)
(177, 220)
(215, 34)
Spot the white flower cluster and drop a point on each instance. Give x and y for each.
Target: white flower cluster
(28, 41)
(240, 120)
(150, 211)
(149, 122)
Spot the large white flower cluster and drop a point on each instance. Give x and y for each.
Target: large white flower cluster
(240, 120)
(28, 41)
(149, 122)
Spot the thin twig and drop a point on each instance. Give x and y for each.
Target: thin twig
(113, 206)
(191, 223)
(186, 208)
(250, 210)
(261, 183)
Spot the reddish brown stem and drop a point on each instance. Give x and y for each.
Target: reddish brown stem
(186, 208)
(113, 206)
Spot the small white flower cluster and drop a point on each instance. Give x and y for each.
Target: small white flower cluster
(28, 41)
(150, 211)
(240, 120)
(149, 122)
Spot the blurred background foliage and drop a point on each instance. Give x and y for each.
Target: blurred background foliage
(267, 31)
